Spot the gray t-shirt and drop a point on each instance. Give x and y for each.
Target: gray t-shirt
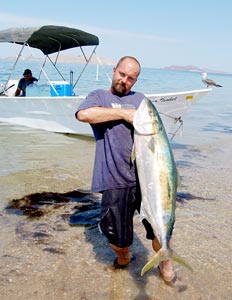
(114, 141)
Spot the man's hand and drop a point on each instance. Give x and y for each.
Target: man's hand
(129, 115)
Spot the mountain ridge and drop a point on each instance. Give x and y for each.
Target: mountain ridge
(192, 68)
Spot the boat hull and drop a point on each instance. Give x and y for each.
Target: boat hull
(57, 114)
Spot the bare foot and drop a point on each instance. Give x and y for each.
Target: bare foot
(116, 266)
(166, 271)
(169, 277)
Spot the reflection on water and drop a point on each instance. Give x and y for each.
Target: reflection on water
(25, 148)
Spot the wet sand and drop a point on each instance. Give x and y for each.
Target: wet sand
(46, 258)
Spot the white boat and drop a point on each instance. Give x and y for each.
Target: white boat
(56, 112)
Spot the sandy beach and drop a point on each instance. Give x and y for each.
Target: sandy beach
(46, 258)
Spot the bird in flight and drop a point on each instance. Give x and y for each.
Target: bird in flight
(208, 82)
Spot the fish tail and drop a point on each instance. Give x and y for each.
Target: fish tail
(164, 254)
(152, 263)
(180, 260)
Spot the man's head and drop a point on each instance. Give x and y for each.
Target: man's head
(125, 75)
(27, 74)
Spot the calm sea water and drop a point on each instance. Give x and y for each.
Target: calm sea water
(208, 120)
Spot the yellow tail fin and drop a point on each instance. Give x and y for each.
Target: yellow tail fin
(181, 261)
(164, 254)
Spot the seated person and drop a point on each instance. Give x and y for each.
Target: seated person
(24, 82)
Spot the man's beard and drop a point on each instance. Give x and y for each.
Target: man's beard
(119, 88)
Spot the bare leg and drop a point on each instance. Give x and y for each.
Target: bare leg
(123, 255)
(165, 266)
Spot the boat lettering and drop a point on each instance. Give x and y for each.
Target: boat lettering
(168, 99)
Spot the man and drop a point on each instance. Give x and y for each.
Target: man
(24, 82)
(110, 114)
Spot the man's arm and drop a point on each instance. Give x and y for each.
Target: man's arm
(17, 92)
(19, 88)
(95, 115)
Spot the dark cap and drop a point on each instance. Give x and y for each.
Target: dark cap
(27, 72)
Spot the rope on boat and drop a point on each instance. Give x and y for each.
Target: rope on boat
(176, 120)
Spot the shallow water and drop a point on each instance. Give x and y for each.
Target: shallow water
(53, 260)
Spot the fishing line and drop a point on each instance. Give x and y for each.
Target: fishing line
(176, 120)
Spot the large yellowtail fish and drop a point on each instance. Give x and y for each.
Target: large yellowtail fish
(158, 179)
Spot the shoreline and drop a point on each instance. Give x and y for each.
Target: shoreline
(46, 258)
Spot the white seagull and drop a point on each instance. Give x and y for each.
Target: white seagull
(208, 81)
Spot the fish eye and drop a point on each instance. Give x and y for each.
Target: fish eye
(150, 113)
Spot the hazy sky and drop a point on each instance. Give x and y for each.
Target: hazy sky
(158, 33)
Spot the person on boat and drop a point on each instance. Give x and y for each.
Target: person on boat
(110, 114)
(24, 82)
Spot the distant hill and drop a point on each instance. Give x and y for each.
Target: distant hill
(192, 68)
(80, 59)
(75, 59)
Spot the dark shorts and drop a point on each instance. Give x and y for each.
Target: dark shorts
(117, 212)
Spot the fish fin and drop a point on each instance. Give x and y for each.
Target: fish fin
(180, 260)
(133, 154)
(152, 263)
(164, 254)
(151, 145)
